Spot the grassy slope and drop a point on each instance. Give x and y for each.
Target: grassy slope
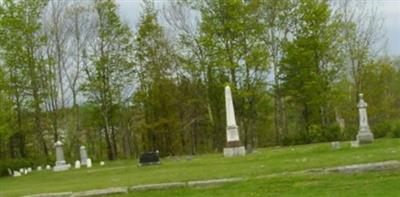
(263, 162)
(365, 184)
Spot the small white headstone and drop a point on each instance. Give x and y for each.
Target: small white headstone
(16, 173)
(39, 168)
(335, 145)
(77, 164)
(89, 163)
(102, 163)
(25, 171)
(29, 169)
(21, 170)
(355, 144)
(48, 167)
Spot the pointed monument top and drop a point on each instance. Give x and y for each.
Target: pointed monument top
(58, 143)
(230, 112)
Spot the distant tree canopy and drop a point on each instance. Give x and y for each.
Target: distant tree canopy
(74, 71)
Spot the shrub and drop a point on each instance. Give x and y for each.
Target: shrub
(388, 128)
(332, 133)
(13, 164)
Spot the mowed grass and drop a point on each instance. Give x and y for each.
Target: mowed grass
(362, 184)
(262, 162)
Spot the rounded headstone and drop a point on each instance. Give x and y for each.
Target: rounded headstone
(89, 163)
(77, 164)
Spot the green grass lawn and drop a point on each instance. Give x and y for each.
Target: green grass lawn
(365, 184)
(262, 162)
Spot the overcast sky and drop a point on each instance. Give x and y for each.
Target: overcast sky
(389, 10)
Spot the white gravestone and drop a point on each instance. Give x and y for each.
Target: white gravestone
(48, 167)
(29, 169)
(39, 168)
(16, 173)
(89, 163)
(61, 165)
(364, 135)
(84, 157)
(335, 145)
(102, 163)
(233, 146)
(77, 164)
(354, 144)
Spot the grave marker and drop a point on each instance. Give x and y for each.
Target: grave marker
(364, 135)
(61, 165)
(89, 163)
(233, 146)
(84, 156)
(149, 158)
(77, 164)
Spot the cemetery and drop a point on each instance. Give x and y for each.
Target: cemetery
(269, 167)
(318, 161)
(199, 98)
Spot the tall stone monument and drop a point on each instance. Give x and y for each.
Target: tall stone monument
(364, 135)
(84, 157)
(61, 165)
(233, 145)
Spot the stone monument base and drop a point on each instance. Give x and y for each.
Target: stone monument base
(234, 151)
(365, 138)
(60, 168)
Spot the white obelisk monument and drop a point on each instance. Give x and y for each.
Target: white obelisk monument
(364, 135)
(233, 145)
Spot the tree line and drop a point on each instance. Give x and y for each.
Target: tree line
(76, 72)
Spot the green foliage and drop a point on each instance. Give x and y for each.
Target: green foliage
(158, 94)
(235, 54)
(23, 70)
(311, 65)
(387, 128)
(110, 70)
(14, 164)
(295, 69)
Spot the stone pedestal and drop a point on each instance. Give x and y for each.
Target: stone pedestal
(60, 168)
(233, 145)
(61, 165)
(364, 135)
(365, 138)
(234, 151)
